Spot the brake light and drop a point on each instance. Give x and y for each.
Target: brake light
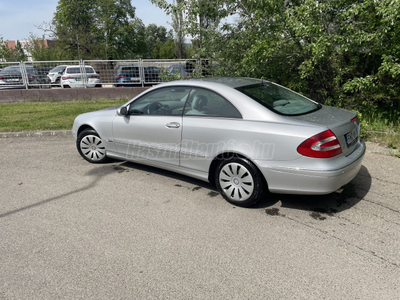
(321, 145)
(121, 76)
(352, 120)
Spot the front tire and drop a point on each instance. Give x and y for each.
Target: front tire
(91, 147)
(240, 182)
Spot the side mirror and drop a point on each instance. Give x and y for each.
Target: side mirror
(122, 111)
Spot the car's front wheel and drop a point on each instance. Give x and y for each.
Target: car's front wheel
(240, 182)
(91, 147)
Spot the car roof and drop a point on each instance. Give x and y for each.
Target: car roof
(77, 66)
(233, 82)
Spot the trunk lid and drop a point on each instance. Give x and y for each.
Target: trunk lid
(343, 123)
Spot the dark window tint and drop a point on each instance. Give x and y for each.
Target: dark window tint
(204, 102)
(165, 101)
(77, 70)
(279, 99)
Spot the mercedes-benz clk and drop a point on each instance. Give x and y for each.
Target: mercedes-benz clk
(248, 137)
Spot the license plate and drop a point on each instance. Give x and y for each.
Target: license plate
(12, 80)
(135, 79)
(351, 136)
(78, 79)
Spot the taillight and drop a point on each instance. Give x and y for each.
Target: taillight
(352, 120)
(121, 76)
(31, 77)
(1, 78)
(321, 145)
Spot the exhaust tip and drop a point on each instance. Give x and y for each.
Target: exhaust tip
(339, 191)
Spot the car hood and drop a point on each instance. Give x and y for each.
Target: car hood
(111, 108)
(326, 116)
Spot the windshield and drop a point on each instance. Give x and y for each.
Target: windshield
(279, 99)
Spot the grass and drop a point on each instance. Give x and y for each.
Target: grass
(381, 126)
(38, 116)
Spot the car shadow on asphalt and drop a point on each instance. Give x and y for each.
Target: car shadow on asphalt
(352, 193)
(96, 173)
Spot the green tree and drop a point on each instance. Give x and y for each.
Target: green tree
(5, 52)
(97, 29)
(41, 52)
(167, 50)
(12, 55)
(155, 36)
(345, 52)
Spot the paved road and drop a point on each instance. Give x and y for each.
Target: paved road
(73, 230)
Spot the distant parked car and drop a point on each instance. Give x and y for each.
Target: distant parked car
(185, 70)
(55, 74)
(72, 77)
(42, 75)
(128, 76)
(152, 74)
(11, 77)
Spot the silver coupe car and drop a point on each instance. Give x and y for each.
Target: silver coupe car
(246, 136)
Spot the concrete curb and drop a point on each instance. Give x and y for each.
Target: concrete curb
(371, 147)
(35, 133)
(375, 148)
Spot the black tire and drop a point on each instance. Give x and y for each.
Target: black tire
(240, 182)
(91, 147)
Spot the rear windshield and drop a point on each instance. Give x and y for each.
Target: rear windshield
(279, 99)
(10, 72)
(130, 69)
(77, 70)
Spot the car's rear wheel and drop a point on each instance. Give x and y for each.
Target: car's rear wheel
(240, 182)
(91, 147)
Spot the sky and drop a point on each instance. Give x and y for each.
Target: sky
(19, 17)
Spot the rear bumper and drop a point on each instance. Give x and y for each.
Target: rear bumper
(307, 181)
(80, 84)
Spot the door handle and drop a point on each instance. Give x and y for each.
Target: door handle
(173, 125)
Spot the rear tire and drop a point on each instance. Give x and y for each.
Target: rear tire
(91, 147)
(240, 182)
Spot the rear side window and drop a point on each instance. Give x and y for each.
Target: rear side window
(73, 70)
(279, 99)
(77, 70)
(206, 103)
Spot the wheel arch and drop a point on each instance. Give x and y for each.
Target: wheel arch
(225, 155)
(84, 127)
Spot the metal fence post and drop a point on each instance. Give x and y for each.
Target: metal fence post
(141, 72)
(24, 74)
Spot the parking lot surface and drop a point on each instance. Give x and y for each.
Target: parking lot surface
(74, 230)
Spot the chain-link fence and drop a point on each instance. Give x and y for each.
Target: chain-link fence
(100, 73)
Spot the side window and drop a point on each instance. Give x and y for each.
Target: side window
(203, 102)
(165, 101)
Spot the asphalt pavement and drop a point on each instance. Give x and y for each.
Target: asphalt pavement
(75, 230)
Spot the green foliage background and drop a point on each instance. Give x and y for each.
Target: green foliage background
(339, 52)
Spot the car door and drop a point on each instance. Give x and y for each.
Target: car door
(153, 126)
(210, 126)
